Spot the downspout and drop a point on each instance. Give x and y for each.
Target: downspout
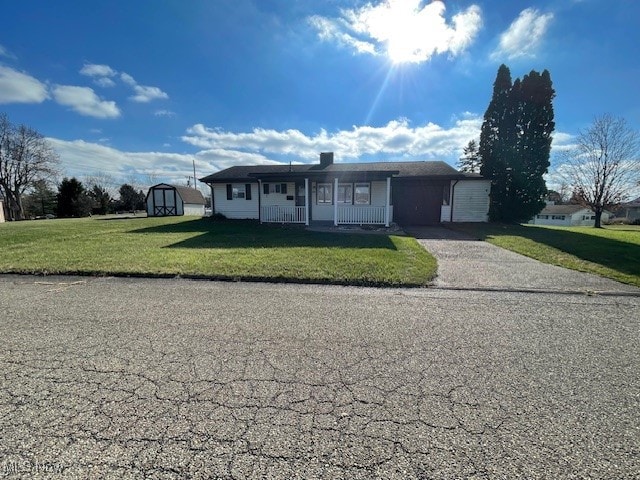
(260, 200)
(453, 190)
(213, 205)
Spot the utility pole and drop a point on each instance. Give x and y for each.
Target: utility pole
(194, 175)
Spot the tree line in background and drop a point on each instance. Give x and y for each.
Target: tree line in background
(27, 166)
(74, 199)
(601, 169)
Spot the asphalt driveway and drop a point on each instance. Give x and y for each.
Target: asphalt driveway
(118, 378)
(466, 263)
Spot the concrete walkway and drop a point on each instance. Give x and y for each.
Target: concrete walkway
(467, 263)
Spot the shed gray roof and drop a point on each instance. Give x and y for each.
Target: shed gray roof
(188, 195)
(396, 169)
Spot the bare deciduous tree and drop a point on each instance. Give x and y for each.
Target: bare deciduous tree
(25, 156)
(604, 166)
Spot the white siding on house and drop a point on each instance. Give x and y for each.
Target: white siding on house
(194, 209)
(379, 194)
(1, 212)
(237, 207)
(471, 201)
(581, 218)
(276, 198)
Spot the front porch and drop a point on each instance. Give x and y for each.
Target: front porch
(347, 215)
(335, 202)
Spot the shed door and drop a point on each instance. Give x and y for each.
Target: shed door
(417, 203)
(164, 202)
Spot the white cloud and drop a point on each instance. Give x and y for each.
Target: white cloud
(524, 35)
(128, 79)
(84, 101)
(563, 141)
(164, 113)
(406, 30)
(95, 70)
(145, 94)
(219, 159)
(395, 139)
(18, 87)
(6, 53)
(80, 158)
(104, 82)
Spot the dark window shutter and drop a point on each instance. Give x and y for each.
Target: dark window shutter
(265, 188)
(247, 189)
(229, 192)
(283, 188)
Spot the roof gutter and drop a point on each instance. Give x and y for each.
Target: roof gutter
(453, 191)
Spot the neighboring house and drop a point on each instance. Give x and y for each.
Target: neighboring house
(629, 211)
(2, 218)
(567, 215)
(408, 193)
(168, 200)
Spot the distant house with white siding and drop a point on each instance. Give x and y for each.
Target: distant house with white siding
(168, 200)
(629, 211)
(2, 219)
(408, 193)
(567, 216)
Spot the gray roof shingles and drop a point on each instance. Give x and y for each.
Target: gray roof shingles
(398, 170)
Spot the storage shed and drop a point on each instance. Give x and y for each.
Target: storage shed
(165, 200)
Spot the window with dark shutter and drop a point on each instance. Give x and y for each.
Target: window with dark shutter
(247, 188)
(265, 188)
(229, 191)
(283, 188)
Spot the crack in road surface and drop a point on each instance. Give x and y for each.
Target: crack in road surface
(183, 379)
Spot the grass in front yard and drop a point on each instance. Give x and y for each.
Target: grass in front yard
(612, 252)
(212, 249)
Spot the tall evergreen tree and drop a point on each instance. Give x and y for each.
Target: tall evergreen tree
(102, 201)
(470, 160)
(515, 143)
(496, 141)
(40, 201)
(73, 200)
(535, 126)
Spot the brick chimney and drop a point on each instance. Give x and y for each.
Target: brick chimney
(326, 159)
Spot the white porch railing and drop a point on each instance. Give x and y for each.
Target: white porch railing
(282, 214)
(361, 215)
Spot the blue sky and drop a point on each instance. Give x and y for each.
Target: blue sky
(141, 89)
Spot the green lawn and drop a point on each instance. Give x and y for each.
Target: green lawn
(612, 252)
(212, 249)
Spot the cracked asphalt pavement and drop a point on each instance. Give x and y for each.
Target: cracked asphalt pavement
(134, 378)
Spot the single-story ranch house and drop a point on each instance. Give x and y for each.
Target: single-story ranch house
(630, 211)
(567, 216)
(168, 200)
(408, 193)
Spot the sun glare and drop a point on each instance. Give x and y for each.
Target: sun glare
(410, 30)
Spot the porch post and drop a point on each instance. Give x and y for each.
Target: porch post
(335, 201)
(387, 212)
(306, 202)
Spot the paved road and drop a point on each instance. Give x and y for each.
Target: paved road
(467, 263)
(117, 378)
